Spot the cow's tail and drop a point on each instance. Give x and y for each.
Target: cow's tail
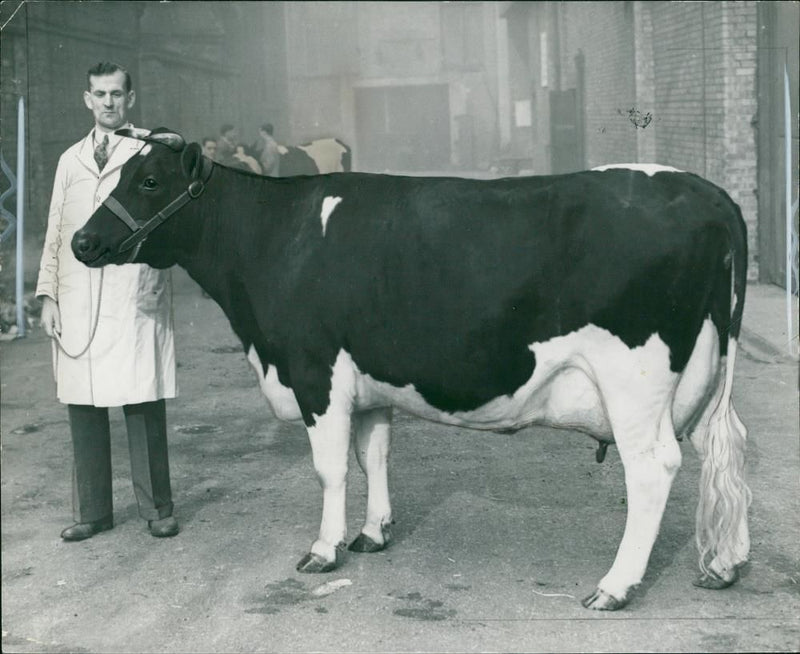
(722, 534)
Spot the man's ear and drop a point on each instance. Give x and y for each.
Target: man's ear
(192, 161)
(131, 98)
(87, 99)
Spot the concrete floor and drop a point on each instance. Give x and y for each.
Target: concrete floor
(497, 539)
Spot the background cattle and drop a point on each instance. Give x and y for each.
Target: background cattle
(315, 158)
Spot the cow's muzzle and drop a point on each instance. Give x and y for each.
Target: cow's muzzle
(87, 249)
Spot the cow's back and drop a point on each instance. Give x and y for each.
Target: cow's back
(468, 275)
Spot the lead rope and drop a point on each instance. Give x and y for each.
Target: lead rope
(94, 326)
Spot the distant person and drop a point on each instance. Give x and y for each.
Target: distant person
(226, 144)
(248, 162)
(209, 144)
(267, 151)
(112, 329)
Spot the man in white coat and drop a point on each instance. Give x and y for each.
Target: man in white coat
(112, 328)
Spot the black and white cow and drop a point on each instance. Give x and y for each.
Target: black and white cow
(605, 301)
(317, 157)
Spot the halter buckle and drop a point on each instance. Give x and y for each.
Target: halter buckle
(195, 189)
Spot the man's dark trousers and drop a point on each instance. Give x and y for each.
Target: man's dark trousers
(147, 444)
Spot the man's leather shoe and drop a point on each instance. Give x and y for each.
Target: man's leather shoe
(84, 530)
(163, 528)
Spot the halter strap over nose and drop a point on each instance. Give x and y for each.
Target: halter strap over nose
(121, 212)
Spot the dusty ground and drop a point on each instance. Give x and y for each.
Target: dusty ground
(497, 536)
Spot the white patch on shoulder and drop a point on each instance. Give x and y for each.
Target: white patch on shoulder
(328, 205)
(145, 150)
(281, 398)
(649, 168)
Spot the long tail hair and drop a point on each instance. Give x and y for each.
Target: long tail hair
(721, 520)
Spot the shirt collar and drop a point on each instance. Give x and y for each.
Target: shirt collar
(113, 139)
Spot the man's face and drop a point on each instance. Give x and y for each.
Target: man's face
(210, 149)
(108, 100)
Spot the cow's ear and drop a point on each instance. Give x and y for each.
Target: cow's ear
(192, 161)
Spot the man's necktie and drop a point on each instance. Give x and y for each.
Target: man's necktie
(101, 153)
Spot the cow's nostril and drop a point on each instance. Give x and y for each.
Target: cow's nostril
(83, 243)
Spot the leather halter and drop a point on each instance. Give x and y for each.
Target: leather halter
(141, 232)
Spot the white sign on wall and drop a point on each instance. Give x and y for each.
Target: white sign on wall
(522, 113)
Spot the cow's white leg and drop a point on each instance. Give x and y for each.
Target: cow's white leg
(372, 431)
(638, 391)
(330, 445)
(330, 442)
(651, 459)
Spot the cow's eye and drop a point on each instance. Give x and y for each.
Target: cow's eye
(150, 184)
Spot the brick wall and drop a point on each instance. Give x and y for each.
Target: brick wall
(680, 82)
(61, 42)
(604, 32)
(645, 80)
(194, 66)
(704, 72)
(738, 151)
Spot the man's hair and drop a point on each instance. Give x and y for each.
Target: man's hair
(227, 127)
(206, 139)
(268, 128)
(108, 68)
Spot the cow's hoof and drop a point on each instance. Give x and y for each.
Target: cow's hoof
(314, 564)
(713, 581)
(365, 544)
(600, 600)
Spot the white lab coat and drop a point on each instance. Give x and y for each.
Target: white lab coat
(132, 356)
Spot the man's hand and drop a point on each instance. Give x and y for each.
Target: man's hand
(51, 317)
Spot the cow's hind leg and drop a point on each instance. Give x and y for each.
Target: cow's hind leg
(651, 458)
(641, 418)
(372, 431)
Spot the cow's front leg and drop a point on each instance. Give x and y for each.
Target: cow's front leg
(328, 422)
(330, 443)
(372, 430)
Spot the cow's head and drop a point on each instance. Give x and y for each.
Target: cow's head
(153, 189)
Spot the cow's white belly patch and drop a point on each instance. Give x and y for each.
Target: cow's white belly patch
(649, 168)
(573, 374)
(328, 205)
(576, 376)
(281, 398)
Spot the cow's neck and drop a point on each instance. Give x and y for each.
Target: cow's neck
(229, 224)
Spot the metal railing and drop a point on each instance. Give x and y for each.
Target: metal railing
(17, 223)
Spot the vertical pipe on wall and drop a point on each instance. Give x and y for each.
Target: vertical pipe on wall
(20, 218)
(787, 148)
